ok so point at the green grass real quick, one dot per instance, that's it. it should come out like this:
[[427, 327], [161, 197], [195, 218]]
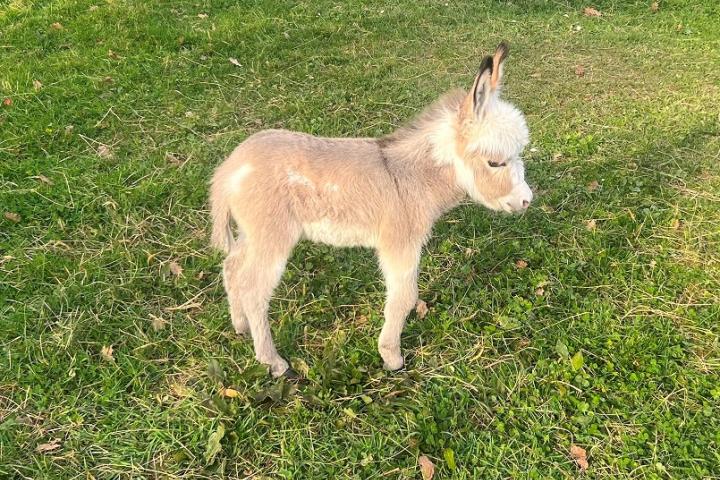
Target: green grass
[[489, 372]]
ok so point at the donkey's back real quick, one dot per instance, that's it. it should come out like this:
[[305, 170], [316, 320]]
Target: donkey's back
[[331, 190]]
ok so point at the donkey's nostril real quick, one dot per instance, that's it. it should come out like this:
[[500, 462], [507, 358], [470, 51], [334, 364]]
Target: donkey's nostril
[[525, 203]]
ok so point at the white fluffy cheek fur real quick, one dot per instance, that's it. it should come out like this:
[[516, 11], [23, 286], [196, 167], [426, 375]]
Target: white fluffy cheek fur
[[465, 178]]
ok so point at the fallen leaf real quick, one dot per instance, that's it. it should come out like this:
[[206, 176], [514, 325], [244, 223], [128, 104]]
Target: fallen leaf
[[427, 468], [53, 444], [37, 84], [157, 322], [591, 12], [56, 26], [300, 366], [540, 292], [557, 156], [580, 71], [562, 349], [45, 180], [7, 102], [468, 252], [521, 264], [107, 353], [113, 55], [591, 225], [93, 8], [654, 7], [580, 456], [176, 269], [69, 129], [229, 393], [449, 456], [172, 158], [592, 186], [213, 445], [675, 224], [235, 62], [577, 361], [181, 391], [202, 15], [104, 151], [13, 217], [421, 309]]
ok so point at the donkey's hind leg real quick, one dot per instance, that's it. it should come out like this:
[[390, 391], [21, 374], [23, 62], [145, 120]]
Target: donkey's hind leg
[[261, 272], [232, 269]]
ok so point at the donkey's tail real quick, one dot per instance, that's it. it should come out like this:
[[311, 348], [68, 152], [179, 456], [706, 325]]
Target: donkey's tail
[[222, 236]]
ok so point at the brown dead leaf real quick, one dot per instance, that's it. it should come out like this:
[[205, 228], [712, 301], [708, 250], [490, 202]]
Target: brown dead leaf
[[179, 390], [540, 292], [592, 186], [37, 85], [421, 309], [229, 393], [172, 158], [654, 7], [591, 12], [235, 62], [427, 467], [7, 102], [176, 269], [53, 444], [56, 26], [580, 456], [591, 225], [579, 70], [45, 180], [521, 264], [13, 217], [113, 55], [104, 151], [675, 223], [157, 322], [107, 353]]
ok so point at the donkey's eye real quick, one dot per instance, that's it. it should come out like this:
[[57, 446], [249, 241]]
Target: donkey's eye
[[496, 164]]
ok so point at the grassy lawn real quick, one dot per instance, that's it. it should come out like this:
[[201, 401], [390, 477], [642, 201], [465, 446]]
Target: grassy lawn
[[593, 320]]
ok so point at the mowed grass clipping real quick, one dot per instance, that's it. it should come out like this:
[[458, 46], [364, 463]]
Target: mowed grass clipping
[[590, 321]]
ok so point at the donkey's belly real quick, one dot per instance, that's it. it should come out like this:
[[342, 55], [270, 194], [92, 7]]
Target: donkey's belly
[[325, 231]]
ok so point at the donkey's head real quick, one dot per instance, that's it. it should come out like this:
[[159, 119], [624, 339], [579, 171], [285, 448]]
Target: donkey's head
[[491, 135]]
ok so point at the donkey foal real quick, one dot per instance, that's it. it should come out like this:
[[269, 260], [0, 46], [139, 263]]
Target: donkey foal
[[280, 186]]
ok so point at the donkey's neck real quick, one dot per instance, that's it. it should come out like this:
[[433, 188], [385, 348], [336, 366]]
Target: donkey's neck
[[421, 156]]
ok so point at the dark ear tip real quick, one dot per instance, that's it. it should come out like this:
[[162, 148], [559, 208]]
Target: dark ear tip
[[502, 50], [486, 64]]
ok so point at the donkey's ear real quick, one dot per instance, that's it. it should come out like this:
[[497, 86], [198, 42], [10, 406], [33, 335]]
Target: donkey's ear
[[501, 53], [481, 90]]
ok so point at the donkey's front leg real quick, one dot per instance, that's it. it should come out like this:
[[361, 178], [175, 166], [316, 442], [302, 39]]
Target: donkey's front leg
[[400, 269]]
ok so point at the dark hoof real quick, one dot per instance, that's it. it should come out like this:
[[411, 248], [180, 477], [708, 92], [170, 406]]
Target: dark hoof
[[393, 370], [291, 374]]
